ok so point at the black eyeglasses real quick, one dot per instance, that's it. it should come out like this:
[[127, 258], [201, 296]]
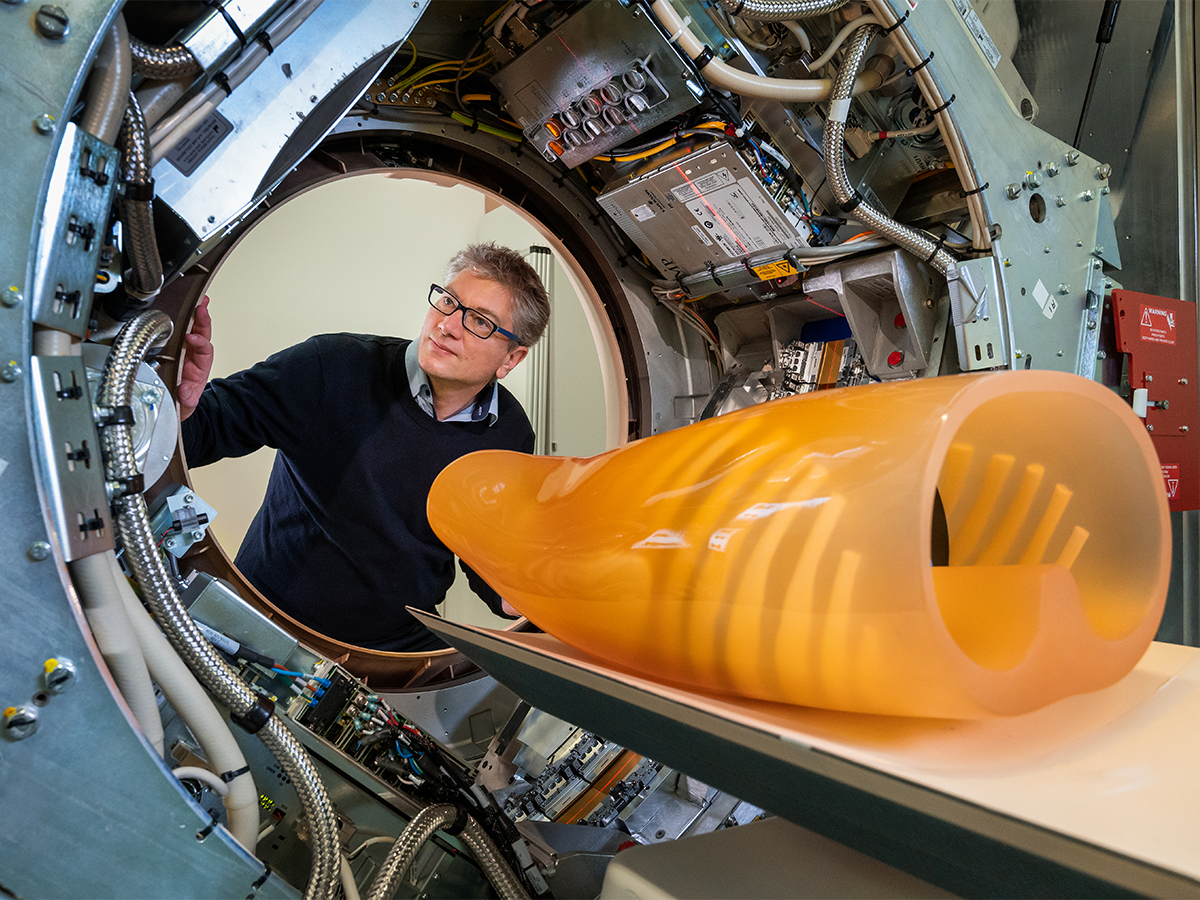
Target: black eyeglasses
[[474, 321]]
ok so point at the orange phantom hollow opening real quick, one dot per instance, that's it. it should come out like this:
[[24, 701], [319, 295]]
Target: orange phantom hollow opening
[[783, 552]]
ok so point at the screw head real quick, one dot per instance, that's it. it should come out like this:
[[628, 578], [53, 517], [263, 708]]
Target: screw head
[[52, 23], [198, 535], [20, 722], [1072, 157], [1149, 427], [1060, 201], [1013, 190], [59, 674], [1091, 325], [1089, 196], [44, 124], [1052, 169], [1105, 191], [1183, 428], [1103, 171], [1034, 179], [38, 551], [11, 371], [1101, 355], [11, 297], [1046, 250], [1064, 288]]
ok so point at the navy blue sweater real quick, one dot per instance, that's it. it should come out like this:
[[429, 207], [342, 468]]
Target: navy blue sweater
[[342, 542]]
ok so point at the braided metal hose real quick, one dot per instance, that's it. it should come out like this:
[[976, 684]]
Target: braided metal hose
[[779, 10], [133, 528], [915, 242], [162, 63], [420, 829], [145, 275], [508, 886]]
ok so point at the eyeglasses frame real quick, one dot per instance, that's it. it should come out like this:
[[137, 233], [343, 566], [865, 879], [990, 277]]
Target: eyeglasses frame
[[464, 309]]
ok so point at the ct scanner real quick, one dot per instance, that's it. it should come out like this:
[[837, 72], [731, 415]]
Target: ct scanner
[[756, 198]]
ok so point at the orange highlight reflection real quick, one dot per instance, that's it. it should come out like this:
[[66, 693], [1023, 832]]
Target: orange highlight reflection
[[783, 552]]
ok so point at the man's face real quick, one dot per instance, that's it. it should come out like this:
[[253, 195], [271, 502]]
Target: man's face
[[456, 359]]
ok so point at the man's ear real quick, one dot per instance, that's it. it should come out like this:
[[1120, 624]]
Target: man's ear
[[515, 355]]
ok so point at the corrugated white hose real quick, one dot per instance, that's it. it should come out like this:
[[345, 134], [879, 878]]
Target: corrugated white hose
[[915, 242], [717, 72], [780, 10], [109, 84], [110, 625], [193, 705], [133, 527]]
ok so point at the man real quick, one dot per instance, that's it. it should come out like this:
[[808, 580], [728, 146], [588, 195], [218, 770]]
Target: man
[[362, 425]]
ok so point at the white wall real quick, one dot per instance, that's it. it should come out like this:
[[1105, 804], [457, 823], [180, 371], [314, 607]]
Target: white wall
[[358, 255]]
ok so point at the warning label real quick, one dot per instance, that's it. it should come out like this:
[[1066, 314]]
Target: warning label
[[1171, 477], [1157, 325]]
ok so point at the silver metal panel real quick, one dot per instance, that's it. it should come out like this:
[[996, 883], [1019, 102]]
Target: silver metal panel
[[982, 338], [272, 104], [73, 224], [1133, 122], [464, 716], [214, 42], [705, 209], [1045, 248], [70, 447], [570, 63], [88, 811]]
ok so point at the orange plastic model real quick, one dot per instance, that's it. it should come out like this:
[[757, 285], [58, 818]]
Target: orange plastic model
[[783, 552]]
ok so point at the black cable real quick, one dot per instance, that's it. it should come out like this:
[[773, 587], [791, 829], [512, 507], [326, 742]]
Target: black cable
[[1108, 19]]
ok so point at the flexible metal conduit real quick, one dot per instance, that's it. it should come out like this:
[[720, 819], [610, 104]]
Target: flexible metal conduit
[[144, 278], [109, 84], [422, 827], [780, 10], [162, 63], [133, 528], [915, 242]]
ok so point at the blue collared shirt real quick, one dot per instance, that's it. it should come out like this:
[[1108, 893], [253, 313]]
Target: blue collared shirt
[[485, 406]]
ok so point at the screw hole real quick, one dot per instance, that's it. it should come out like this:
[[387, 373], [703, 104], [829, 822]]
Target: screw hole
[[41, 698]]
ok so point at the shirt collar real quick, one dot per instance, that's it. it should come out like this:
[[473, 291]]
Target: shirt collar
[[484, 408]]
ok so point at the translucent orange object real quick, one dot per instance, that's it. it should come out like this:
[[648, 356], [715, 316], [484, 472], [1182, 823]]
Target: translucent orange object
[[783, 552]]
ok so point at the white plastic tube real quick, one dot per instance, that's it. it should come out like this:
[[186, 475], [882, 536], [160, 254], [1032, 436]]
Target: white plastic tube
[[195, 773], [717, 72], [110, 626], [349, 887], [839, 39], [197, 710]]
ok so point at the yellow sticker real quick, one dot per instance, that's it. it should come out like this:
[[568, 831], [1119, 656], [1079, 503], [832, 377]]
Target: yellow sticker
[[781, 269]]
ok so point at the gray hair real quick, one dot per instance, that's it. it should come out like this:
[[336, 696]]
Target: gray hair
[[510, 270]]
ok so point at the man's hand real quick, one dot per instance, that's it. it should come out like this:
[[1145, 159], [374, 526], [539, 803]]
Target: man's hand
[[197, 360]]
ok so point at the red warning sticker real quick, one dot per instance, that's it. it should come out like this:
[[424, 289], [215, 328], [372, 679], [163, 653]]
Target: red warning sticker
[[1171, 477], [1157, 325]]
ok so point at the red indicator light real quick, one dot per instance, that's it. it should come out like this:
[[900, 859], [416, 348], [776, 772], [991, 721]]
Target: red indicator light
[[895, 358], [899, 321]]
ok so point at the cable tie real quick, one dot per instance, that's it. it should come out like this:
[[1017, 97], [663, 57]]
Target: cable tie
[[220, 7], [234, 773], [943, 107], [852, 204], [704, 58], [687, 20], [253, 719], [983, 187], [140, 190], [207, 829], [712, 271], [265, 39], [746, 266], [461, 819], [737, 9], [474, 121], [262, 879], [221, 80], [937, 248], [922, 64], [901, 21], [117, 415]]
